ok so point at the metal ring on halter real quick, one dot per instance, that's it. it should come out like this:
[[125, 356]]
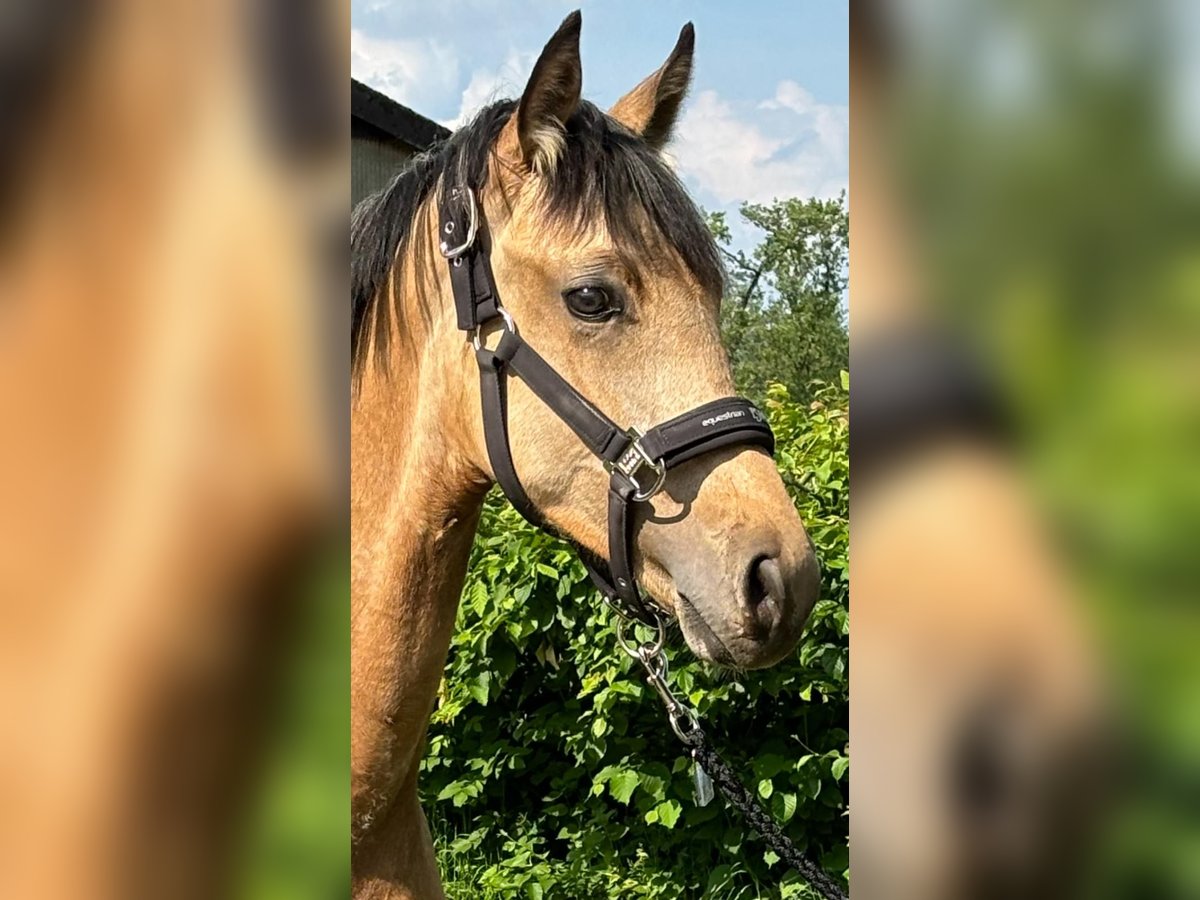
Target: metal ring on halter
[[634, 650], [660, 470], [472, 227], [509, 323]]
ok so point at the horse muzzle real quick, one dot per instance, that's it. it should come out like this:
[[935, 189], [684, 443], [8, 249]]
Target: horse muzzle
[[752, 617]]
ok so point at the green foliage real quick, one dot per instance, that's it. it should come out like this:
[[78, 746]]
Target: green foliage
[[783, 318], [292, 843], [550, 771]]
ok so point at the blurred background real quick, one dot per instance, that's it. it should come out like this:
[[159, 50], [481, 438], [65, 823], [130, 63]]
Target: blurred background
[[1025, 190], [174, 196]]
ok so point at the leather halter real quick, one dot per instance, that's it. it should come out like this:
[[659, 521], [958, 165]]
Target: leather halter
[[637, 463]]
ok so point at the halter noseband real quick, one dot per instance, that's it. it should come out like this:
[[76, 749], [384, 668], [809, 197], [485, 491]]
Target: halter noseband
[[637, 463]]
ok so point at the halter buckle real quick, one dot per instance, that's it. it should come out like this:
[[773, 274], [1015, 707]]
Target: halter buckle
[[452, 252], [633, 460]]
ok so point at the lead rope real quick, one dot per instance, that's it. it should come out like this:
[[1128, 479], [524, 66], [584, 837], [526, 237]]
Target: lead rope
[[711, 769]]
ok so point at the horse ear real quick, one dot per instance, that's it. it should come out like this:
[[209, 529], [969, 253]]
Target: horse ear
[[537, 131], [652, 107]]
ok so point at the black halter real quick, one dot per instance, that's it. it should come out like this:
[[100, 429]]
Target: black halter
[[637, 463]]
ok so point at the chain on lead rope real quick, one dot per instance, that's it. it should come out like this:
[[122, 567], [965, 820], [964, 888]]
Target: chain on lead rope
[[651, 655]]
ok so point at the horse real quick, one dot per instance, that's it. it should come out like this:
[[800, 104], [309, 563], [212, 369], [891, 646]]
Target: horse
[[605, 262], [167, 458]]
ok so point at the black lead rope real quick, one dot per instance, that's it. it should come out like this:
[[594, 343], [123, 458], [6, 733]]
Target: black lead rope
[[637, 464], [711, 769], [760, 820]]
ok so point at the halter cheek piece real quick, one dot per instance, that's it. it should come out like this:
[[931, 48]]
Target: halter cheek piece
[[637, 462]]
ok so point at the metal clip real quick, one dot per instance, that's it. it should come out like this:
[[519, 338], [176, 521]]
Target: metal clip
[[654, 661]]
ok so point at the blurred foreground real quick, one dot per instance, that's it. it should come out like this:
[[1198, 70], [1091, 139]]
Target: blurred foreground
[[1025, 282], [173, 200]]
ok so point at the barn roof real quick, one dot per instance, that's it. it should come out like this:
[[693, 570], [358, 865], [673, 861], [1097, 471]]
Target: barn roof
[[382, 112]]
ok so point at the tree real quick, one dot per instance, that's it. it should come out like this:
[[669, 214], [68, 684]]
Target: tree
[[784, 315]]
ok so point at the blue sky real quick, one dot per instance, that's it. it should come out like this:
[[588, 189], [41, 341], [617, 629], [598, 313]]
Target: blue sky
[[768, 112]]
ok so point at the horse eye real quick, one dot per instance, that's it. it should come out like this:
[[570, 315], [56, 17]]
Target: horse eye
[[590, 303]]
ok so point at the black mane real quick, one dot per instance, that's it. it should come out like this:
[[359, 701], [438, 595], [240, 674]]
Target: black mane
[[604, 170]]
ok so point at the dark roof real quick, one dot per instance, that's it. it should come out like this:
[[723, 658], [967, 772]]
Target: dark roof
[[395, 119]]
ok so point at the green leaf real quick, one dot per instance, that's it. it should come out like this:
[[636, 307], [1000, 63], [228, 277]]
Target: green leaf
[[605, 775], [783, 806], [768, 765], [478, 687], [766, 787], [623, 784], [668, 813], [839, 767]]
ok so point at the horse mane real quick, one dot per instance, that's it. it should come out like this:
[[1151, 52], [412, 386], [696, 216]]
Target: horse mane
[[604, 171]]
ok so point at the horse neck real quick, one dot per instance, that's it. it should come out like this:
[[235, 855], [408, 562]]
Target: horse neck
[[415, 501]]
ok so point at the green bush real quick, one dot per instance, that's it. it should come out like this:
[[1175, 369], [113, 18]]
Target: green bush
[[550, 771]]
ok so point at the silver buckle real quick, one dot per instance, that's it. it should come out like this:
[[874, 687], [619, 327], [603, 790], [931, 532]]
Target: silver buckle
[[633, 460], [472, 226]]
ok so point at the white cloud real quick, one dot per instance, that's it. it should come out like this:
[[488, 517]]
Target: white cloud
[[486, 85], [420, 73], [830, 124], [426, 75], [787, 146]]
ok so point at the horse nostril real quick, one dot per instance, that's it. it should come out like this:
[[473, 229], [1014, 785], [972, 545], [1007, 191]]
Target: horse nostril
[[765, 595]]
